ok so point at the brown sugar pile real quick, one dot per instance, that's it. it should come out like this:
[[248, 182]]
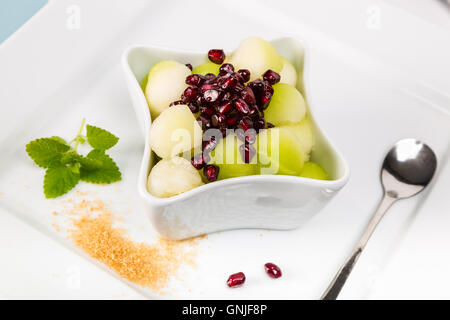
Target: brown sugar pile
[[149, 265]]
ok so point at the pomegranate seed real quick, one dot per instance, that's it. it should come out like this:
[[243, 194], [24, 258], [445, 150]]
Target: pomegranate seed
[[267, 87], [247, 152], [239, 78], [190, 94], [272, 270], [204, 121], [209, 145], [269, 125], [227, 83], [265, 100], [211, 95], [175, 103], [257, 86], [249, 136], [211, 172], [260, 124], [239, 87], [248, 95], [254, 112], [246, 123], [218, 120], [226, 96], [241, 106], [195, 79], [224, 132], [207, 87], [245, 74], [231, 121], [193, 107], [226, 68], [189, 66], [225, 108], [236, 279], [271, 76], [200, 160], [207, 110], [216, 55]]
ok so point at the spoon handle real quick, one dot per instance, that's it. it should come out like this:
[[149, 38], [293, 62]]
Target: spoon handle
[[339, 280]]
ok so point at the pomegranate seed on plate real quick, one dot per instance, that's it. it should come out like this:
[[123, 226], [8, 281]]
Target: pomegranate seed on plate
[[216, 55], [189, 66], [272, 270], [236, 279]]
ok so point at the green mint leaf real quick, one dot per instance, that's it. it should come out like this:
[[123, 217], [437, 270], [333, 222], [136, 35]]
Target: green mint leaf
[[59, 139], [59, 180], [107, 173], [99, 138], [89, 164], [46, 152], [69, 156]]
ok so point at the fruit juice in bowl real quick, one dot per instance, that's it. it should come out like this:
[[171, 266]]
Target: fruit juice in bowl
[[231, 141]]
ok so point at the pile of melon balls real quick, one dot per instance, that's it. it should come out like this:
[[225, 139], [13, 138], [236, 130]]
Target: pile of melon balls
[[234, 115]]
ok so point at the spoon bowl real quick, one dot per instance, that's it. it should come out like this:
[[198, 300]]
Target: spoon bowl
[[408, 167]]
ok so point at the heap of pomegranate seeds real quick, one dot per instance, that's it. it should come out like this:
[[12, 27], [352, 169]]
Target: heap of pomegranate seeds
[[228, 101]]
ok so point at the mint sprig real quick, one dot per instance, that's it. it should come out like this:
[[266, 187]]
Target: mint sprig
[[65, 167]]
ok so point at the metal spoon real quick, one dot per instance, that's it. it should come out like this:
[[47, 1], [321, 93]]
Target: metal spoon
[[407, 169]]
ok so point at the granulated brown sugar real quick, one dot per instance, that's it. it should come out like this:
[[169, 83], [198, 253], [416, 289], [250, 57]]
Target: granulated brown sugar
[[149, 265]]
